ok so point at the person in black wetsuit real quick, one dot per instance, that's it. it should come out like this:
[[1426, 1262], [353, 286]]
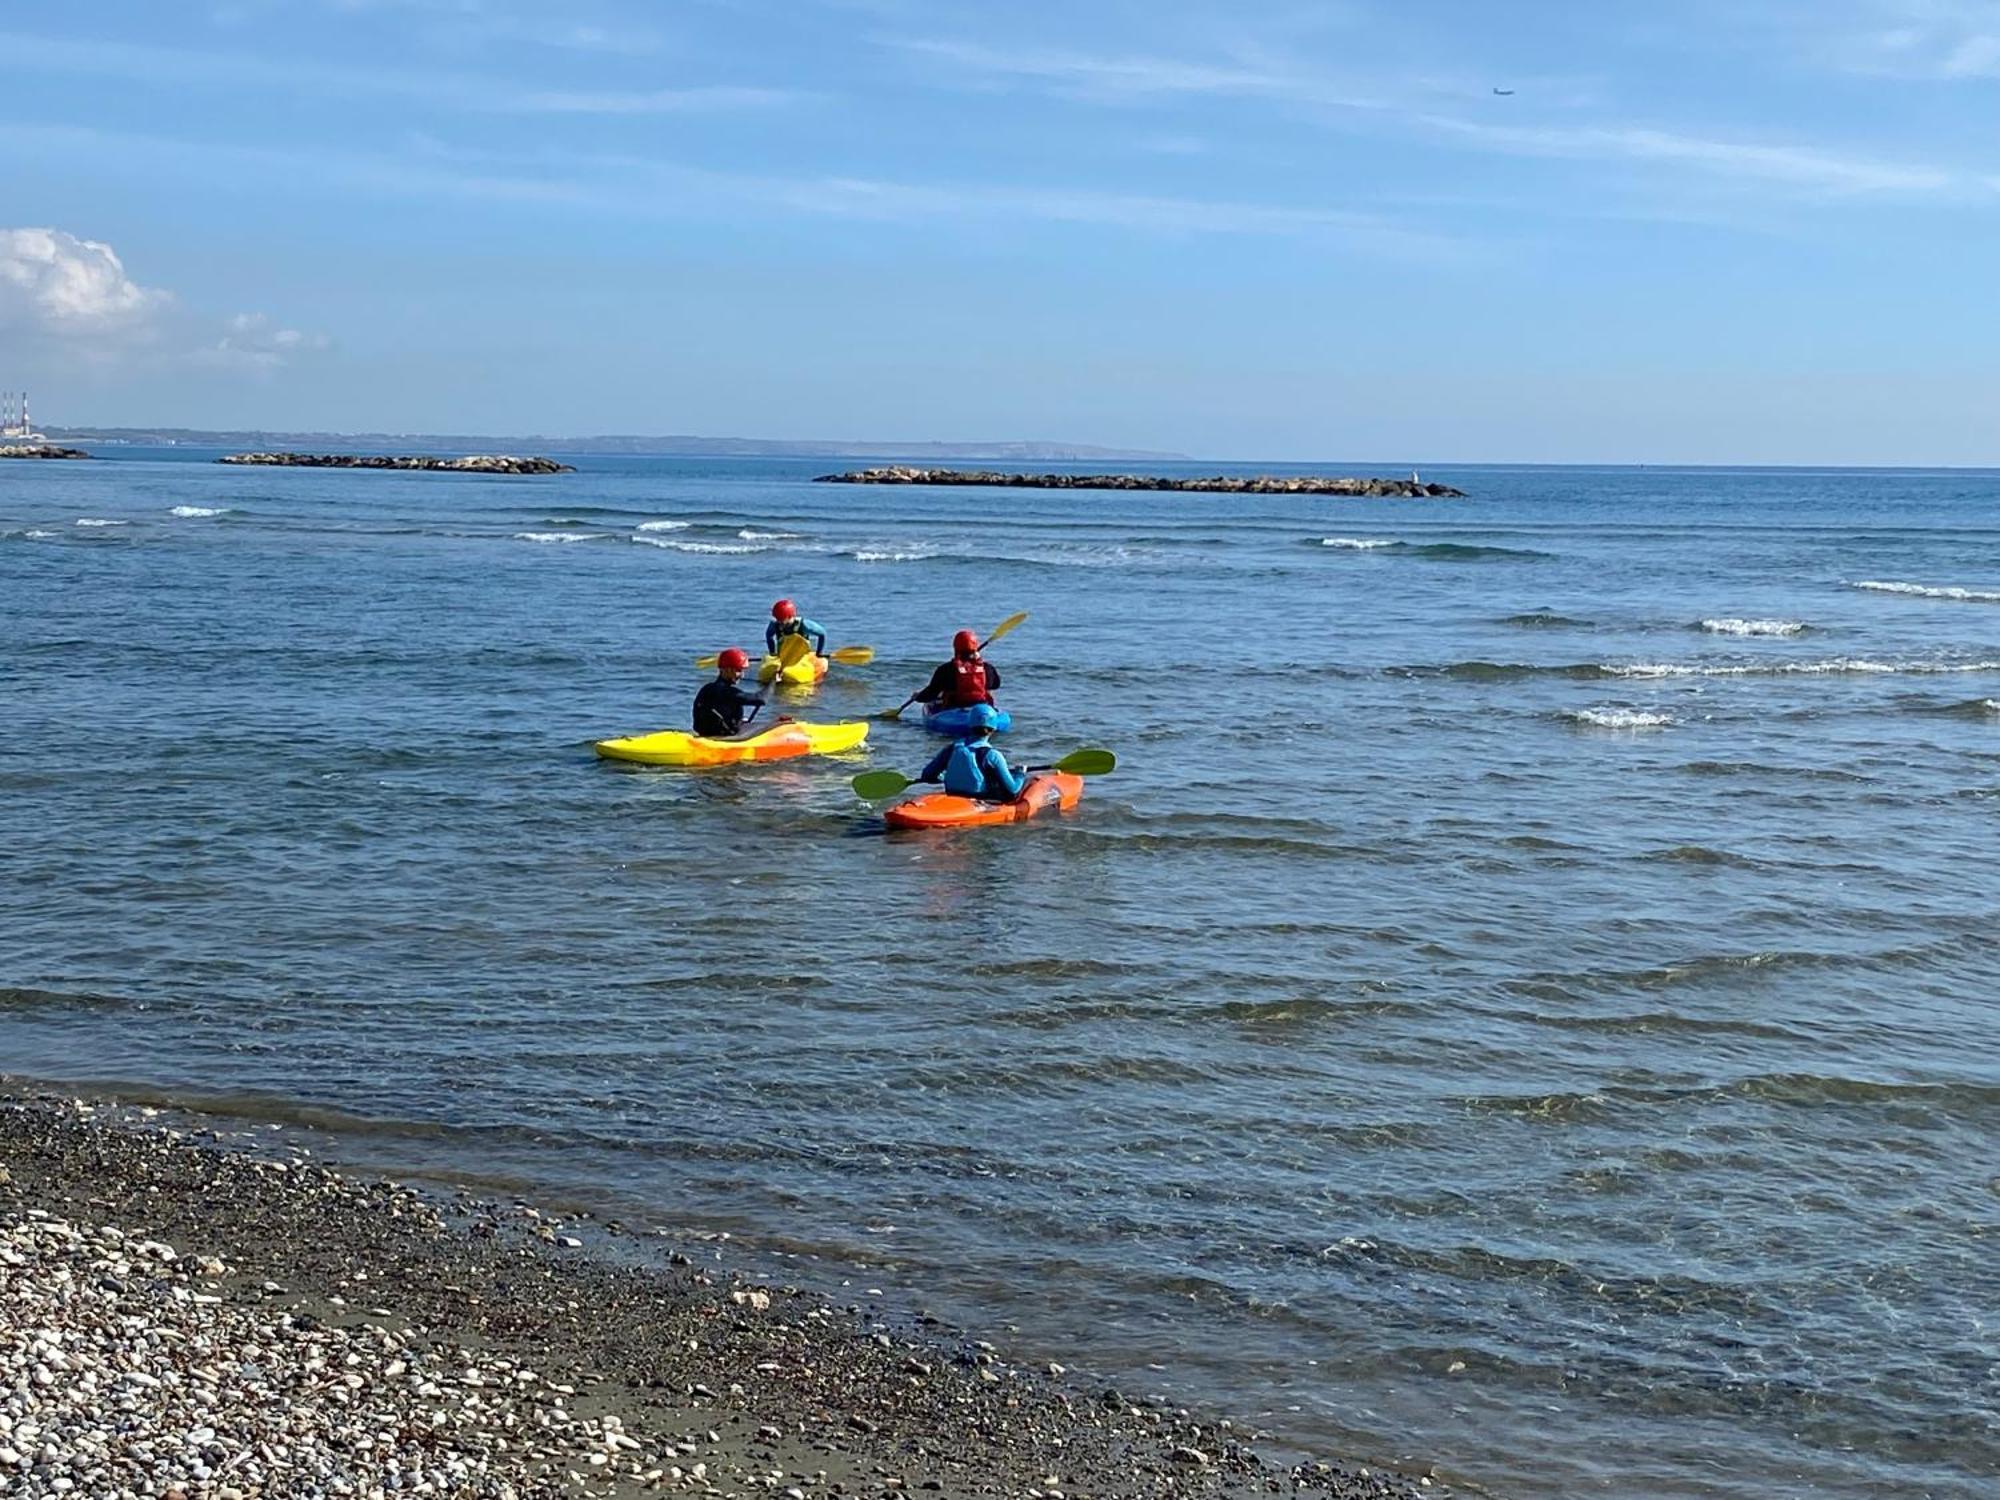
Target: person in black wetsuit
[[721, 707], [966, 679]]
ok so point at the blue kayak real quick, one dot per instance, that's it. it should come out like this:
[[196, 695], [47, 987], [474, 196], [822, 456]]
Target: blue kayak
[[956, 721]]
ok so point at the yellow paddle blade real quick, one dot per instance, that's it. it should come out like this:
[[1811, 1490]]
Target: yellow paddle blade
[[1002, 628], [892, 713], [793, 649], [853, 656], [705, 662]]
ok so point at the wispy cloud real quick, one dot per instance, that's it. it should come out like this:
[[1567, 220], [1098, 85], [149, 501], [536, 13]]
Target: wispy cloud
[[458, 92], [1788, 165], [1937, 39], [1136, 76], [1412, 108], [642, 187]]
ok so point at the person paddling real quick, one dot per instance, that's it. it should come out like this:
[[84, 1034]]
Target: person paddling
[[968, 678], [721, 707], [972, 766], [786, 620]]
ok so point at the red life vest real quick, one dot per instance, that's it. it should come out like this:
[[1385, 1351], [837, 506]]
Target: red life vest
[[968, 682]]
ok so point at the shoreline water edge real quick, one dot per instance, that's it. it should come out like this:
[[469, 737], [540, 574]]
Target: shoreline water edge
[[198, 1309]]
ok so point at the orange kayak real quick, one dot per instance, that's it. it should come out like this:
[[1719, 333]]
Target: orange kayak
[[1046, 791]]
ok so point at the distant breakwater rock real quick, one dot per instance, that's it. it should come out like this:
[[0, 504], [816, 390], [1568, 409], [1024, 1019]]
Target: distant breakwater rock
[[476, 463], [39, 450], [1221, 484]]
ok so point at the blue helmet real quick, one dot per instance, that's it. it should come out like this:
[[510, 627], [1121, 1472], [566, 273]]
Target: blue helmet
[[981, 717]]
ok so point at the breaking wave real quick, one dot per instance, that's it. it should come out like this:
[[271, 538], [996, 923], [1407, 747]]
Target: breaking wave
[[751, 534], [1926, 591], [882, 555], [98, 521], [1355, 543], [663, 526], [719, 549], [1585, 671], [1731, 625], [190, 512], [555, 536], [1619, 718]]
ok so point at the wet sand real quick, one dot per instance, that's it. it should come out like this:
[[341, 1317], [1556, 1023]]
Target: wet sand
[[197, 1310]]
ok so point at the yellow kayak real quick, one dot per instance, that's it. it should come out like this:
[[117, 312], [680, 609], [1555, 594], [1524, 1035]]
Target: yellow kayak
[[805, 671], [676, 747]]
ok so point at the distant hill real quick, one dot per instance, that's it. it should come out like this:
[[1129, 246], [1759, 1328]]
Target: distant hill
[[444, 442]]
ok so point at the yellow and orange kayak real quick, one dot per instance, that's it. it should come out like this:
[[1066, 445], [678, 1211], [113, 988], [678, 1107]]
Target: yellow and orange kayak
[[1046, 791], [676, 747]]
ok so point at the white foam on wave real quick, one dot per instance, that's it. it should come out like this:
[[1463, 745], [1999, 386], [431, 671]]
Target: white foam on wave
[[1830, 667], [553, 536], [1928, 591], [1731, 625], [722, 549], [99, 521], [663, 525], [191, 512], [1354, 543], [751, 534], [883, 554], [1620, 718]]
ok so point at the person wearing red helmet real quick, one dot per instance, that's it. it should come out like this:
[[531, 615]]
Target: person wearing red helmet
[[722, 708], [786, 620], [966, 679]]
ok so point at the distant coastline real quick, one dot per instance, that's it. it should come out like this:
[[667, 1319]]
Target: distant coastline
[[667, 446]]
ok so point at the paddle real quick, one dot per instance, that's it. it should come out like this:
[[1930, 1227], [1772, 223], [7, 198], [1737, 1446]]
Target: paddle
[[873, 786], [993, 635], [793, 649]]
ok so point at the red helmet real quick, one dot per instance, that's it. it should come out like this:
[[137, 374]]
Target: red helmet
[[964, 643], [784, 609], [733, 660]]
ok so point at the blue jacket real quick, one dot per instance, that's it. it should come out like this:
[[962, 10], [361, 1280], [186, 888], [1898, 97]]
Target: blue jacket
[[973, 768], [797, 625]]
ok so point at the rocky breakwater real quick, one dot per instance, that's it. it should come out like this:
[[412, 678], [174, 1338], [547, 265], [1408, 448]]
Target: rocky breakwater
[[39, 450], [475, 463], [1220, 484]]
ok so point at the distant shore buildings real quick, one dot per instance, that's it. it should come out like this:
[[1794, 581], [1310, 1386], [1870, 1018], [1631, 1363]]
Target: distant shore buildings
[[14, 423]]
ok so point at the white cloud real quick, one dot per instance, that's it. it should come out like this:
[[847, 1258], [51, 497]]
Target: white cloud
[[64, 297], [252, 341], [56, 285]]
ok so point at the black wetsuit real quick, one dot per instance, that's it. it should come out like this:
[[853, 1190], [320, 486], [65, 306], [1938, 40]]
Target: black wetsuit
[[939, 688], [719, 709]]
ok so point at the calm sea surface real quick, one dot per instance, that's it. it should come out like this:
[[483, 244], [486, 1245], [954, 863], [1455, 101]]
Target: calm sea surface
[[1526, 1000]]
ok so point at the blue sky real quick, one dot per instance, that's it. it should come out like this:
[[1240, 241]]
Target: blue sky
[[1698, 230]]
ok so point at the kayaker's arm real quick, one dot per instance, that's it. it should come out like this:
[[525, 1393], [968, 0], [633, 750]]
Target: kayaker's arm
[[936, 688], [999, 774], [818, 633], [992, 677], [935, 770]]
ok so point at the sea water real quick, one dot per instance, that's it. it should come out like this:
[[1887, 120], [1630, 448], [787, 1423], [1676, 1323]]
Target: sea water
[[1525, 1001]]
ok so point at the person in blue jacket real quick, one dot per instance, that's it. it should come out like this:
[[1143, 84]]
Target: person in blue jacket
[[972, 767], [786, 620]]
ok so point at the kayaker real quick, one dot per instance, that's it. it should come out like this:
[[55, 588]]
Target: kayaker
[[966, 679], [786, 620], [972, 767], [721, 707]]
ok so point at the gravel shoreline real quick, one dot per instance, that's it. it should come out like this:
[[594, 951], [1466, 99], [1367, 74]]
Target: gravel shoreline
[[208, 1314]]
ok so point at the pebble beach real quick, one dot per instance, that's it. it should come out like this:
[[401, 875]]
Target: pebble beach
[[193, 1312]]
